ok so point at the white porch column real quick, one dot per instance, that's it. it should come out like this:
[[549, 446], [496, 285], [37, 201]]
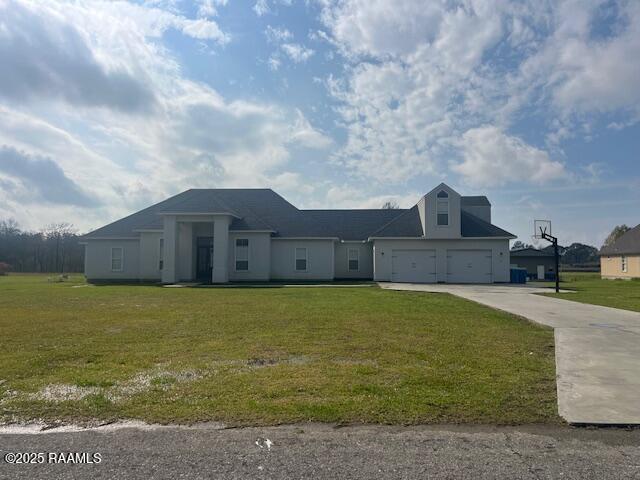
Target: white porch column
[[221, 249], [170, 235]]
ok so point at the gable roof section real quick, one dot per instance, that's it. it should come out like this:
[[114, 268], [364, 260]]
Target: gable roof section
[[474, 227], [530, 252], [629, 243], [257, 209], [407, 224], [201, 201], [264, 209]]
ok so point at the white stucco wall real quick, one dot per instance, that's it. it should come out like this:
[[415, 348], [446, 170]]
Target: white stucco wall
[[499, 251], [259, 257], [150, 255], [320, 259], [98, 260], [341, 267]]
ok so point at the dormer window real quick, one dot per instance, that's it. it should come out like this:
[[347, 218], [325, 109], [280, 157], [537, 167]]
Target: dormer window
[[442, 209]]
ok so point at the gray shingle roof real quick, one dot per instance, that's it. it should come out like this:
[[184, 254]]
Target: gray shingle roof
[[530, 252], [264, 209], [409, 225], [475, 227], [628, 243], [475, 201], [258, 209], [406, 225], [352, 224]]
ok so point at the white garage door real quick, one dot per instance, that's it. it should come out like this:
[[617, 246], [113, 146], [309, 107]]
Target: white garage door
[[415, 266], [469, 266]]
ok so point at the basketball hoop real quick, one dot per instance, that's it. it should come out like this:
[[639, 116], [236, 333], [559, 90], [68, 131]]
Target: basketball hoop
[[542, 231]]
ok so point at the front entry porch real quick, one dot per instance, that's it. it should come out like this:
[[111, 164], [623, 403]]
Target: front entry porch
[[204, 259], [196, 248]]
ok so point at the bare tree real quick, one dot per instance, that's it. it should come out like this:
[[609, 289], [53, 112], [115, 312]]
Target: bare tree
[[518, 245], [390, 205], [59, 233], [26, 251], [9, 227], [615, 234]]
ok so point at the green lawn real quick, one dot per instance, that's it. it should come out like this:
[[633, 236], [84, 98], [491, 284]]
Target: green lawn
[[590, 288], [258, 356]]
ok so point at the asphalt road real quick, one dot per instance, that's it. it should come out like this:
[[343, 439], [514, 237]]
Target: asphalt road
[[326, 452]]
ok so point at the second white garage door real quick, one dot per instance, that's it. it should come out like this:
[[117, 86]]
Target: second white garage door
[[469, 266], [415, 266]]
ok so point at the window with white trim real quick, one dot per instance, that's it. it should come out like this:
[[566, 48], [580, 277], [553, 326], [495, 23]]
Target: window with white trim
[[117, 259], [301, 259], [353, 256], [242, 254], [161, 254], [625, 266]]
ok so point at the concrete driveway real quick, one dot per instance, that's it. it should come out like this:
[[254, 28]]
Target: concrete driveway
[[597, 348]]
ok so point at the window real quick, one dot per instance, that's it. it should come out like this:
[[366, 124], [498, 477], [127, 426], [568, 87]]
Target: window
[[623, 259], [442, 207], [117, 255], [242, 254], [354, 259], [301, 259], [443, 213], [161, 254]]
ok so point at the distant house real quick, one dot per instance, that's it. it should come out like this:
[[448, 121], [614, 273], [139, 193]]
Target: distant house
[[222, 235], [540, 264], [621, 259]]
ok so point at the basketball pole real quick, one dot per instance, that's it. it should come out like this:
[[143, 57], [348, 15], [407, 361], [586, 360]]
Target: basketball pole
[[554, 241]]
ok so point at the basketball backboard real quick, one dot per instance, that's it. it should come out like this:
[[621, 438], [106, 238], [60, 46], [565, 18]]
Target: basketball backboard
[[541, 228]]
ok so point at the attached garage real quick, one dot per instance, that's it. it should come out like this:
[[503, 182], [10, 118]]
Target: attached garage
[[414, 266], [469, 266]]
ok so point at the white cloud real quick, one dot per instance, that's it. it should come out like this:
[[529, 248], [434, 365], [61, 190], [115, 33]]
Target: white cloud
[[209, 8], [493, 158], [203, 29], [261, 7], [277, 34], [403, 112], [419, 75], [296, 52], [589, 74], [193, 137], [381, 28], [349, 196], [274, 62]]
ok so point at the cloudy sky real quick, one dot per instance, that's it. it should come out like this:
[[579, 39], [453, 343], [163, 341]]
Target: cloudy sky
[[107, 107]]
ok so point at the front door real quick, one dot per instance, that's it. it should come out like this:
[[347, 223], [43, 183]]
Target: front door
[[204, 258]]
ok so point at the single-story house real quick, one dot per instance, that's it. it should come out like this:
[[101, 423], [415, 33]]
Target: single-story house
[[621, 259], [223, 235], [539, 264]]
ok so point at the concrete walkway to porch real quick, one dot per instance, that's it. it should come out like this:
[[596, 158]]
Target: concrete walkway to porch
[[597, 348]]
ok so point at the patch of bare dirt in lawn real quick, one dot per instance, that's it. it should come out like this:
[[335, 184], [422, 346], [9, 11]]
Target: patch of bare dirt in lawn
[[121, 391]]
